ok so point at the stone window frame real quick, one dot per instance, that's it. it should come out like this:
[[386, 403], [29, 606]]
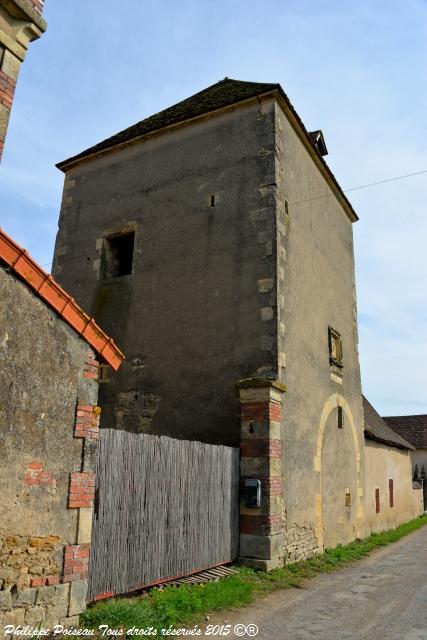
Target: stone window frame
[[335, 348]]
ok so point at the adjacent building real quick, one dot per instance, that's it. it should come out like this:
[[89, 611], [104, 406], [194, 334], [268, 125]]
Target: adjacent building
[[50, 352], [21, 22], [414, 430], [391, 496]]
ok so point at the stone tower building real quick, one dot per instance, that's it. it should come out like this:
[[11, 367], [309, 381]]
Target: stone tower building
[[214, 244], [21, 22]]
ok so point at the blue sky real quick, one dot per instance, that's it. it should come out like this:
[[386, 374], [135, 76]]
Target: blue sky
[[355, 70]]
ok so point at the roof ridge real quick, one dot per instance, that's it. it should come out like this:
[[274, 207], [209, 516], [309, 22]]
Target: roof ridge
[[46, 287]]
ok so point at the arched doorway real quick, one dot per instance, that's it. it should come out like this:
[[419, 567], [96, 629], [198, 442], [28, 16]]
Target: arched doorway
[[340, 507]]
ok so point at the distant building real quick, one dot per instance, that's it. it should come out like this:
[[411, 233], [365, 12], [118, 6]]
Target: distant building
[[414, 430], [21, 22], [391, 496]]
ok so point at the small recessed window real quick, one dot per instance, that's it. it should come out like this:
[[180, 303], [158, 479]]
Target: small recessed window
[[347, 498], [340, 417], [212, 201], [391, 492], [1, 56], [335, 348], [377, 501], [104, 373], [118, 255]]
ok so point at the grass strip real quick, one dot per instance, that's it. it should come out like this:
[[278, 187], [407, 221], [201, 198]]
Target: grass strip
[[179, 606]]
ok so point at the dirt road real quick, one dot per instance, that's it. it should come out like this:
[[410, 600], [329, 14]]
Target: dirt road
[[383, 597]]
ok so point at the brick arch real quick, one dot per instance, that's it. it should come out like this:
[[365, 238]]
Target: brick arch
[[330, 405]]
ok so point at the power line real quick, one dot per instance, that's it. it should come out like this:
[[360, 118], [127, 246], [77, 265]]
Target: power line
[[326, 195], [364, 186]]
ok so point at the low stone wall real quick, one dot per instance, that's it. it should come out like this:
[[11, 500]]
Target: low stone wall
[[300, 543]]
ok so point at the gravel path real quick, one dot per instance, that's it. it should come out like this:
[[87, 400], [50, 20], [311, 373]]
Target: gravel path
[[382, 597]]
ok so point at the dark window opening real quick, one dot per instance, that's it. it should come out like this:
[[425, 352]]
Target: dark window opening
[[340, 417], [335, 348], [212, 201], [1, 56], [377, 500], [104, 373], [391, 492], [118, 255]]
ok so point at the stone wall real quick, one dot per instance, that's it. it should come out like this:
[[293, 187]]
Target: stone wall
[[48, 435]]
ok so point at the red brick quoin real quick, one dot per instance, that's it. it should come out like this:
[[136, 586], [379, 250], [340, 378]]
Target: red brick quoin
[[262, 525], [36, 477], [76, 562], [82, 490], [91, 366], [87, 421], [260, 447], [37, 4], [44, 580], [260, 411], [7, 89]]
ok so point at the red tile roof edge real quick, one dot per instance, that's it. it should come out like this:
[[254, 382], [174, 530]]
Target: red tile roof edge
[[49, 290]]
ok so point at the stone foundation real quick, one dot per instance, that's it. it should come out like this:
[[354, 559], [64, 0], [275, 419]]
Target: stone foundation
[[300, 543]]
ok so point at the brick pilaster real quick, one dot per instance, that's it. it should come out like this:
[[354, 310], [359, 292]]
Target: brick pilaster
[[91, 366], [87, 421], [82, 490], [261, 529]]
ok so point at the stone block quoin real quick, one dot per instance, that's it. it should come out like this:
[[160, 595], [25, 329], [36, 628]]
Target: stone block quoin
[[76, 562], [82, 490]]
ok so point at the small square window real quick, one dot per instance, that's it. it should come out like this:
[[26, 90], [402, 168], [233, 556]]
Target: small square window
[[335, 348], [118, 255]]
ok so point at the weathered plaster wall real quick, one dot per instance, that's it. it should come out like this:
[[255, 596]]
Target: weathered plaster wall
[[198, 311], [382, 464], [41, 382], [316, 288]]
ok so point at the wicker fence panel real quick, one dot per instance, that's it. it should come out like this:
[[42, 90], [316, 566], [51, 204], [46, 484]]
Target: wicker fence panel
[[164, 508]]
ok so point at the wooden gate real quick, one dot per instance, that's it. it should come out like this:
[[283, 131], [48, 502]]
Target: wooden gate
[[164, 508]]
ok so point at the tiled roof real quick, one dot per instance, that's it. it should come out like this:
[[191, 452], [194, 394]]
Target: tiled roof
[[412, 428], [376, 428], [49, 290], [221, 94]]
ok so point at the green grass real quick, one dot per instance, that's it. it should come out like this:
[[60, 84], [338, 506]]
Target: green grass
[[180, 606]]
